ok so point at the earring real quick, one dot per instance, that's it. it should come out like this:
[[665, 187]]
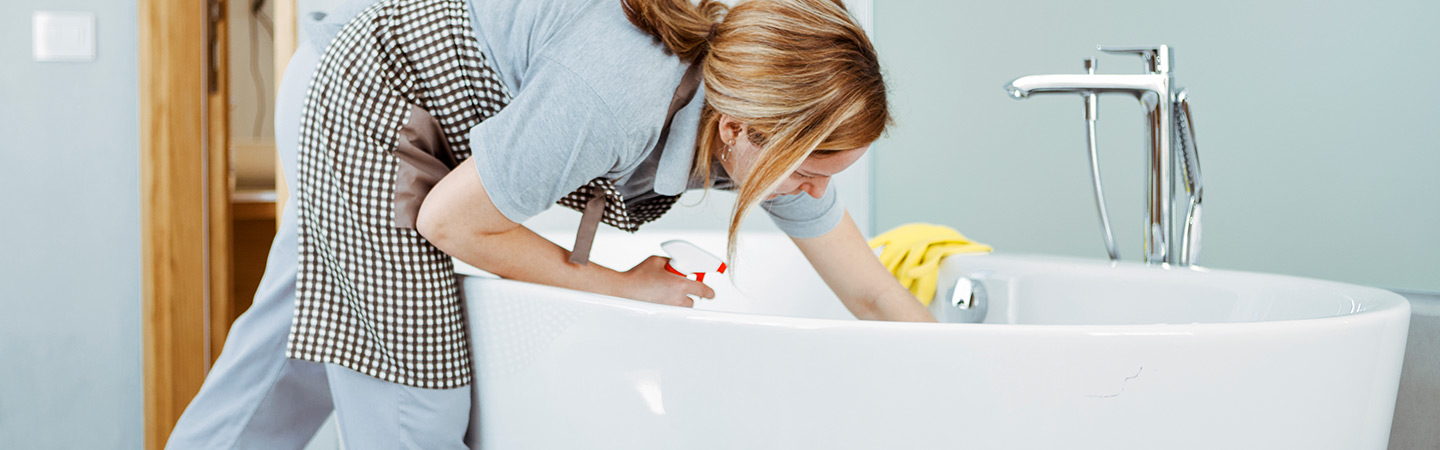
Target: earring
[[725, 156]]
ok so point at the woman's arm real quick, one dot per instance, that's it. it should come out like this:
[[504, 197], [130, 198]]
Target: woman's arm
[[459, 218], [848, 265]]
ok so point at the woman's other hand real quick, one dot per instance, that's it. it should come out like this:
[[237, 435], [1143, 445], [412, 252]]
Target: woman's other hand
[[650, 282]]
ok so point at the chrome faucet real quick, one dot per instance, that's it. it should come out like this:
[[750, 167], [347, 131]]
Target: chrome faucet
[[1167, 120]]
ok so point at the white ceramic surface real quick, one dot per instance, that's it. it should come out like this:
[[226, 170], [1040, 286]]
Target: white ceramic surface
[[1074, 354]]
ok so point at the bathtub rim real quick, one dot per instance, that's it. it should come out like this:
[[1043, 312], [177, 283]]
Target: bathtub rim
[[1389, 306]]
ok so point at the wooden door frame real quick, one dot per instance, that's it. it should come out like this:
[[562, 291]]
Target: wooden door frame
[[185, 197], [185, 205]]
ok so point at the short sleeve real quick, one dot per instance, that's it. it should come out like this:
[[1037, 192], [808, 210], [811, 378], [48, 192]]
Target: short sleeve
[[555, 136], [803, 216]]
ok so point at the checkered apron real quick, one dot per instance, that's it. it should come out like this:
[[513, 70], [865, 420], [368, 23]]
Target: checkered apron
[[373, 295]]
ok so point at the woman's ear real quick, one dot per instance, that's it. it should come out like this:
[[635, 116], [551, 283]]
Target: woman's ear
[[730, 129]]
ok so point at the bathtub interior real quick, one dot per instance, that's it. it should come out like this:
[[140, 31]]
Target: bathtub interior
[[1049, 290], [772, 277]]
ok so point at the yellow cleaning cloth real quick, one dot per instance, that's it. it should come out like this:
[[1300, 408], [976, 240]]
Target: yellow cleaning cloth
[[913, 253]]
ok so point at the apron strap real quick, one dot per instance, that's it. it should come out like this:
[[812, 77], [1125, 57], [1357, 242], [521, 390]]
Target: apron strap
[[589, 222], [595, 207]]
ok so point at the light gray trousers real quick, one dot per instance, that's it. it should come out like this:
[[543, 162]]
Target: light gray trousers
[[256, 398]]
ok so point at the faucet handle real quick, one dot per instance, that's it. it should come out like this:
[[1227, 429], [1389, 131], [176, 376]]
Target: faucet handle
[[1157, 57]]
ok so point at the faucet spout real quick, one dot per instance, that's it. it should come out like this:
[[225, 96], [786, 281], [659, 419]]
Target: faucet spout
[[1137, 85]]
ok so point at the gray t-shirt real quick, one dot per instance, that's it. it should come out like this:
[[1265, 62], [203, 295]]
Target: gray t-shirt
[[589, 96]]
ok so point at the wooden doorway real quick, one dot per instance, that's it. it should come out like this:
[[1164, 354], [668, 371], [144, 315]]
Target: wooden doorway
[[189, 211]]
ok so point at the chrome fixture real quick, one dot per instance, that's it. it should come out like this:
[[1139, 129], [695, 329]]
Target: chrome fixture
[[965, 301], [1171, 138], [962, 294], [1190, 159], [1091, 103]]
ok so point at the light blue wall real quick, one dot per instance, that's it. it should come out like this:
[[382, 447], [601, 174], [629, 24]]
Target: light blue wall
[[1316, 124], [70, 358]]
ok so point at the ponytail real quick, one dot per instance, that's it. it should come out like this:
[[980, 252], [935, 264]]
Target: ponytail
[[682, 26]]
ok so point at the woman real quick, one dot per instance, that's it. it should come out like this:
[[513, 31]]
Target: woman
[[433, 128]]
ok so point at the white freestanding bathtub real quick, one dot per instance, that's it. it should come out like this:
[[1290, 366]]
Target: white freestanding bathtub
[[1072, 354]]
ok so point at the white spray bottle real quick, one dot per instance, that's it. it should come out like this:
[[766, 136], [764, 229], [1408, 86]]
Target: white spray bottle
[[690, 261]]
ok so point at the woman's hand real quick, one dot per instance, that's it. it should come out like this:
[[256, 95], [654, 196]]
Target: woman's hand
[[650, 282]]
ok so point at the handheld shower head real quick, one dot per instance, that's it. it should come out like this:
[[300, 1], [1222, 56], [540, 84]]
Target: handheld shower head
[[1194, 184]]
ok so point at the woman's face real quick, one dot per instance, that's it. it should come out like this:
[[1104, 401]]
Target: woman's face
[[812, 177]]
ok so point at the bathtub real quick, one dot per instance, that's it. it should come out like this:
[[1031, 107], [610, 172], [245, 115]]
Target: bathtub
[[1072, 353]]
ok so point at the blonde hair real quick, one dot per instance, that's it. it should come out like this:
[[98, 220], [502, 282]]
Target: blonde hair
[[799, 74]]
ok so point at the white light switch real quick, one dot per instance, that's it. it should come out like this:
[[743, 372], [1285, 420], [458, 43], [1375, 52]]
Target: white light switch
[[63, 36]]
